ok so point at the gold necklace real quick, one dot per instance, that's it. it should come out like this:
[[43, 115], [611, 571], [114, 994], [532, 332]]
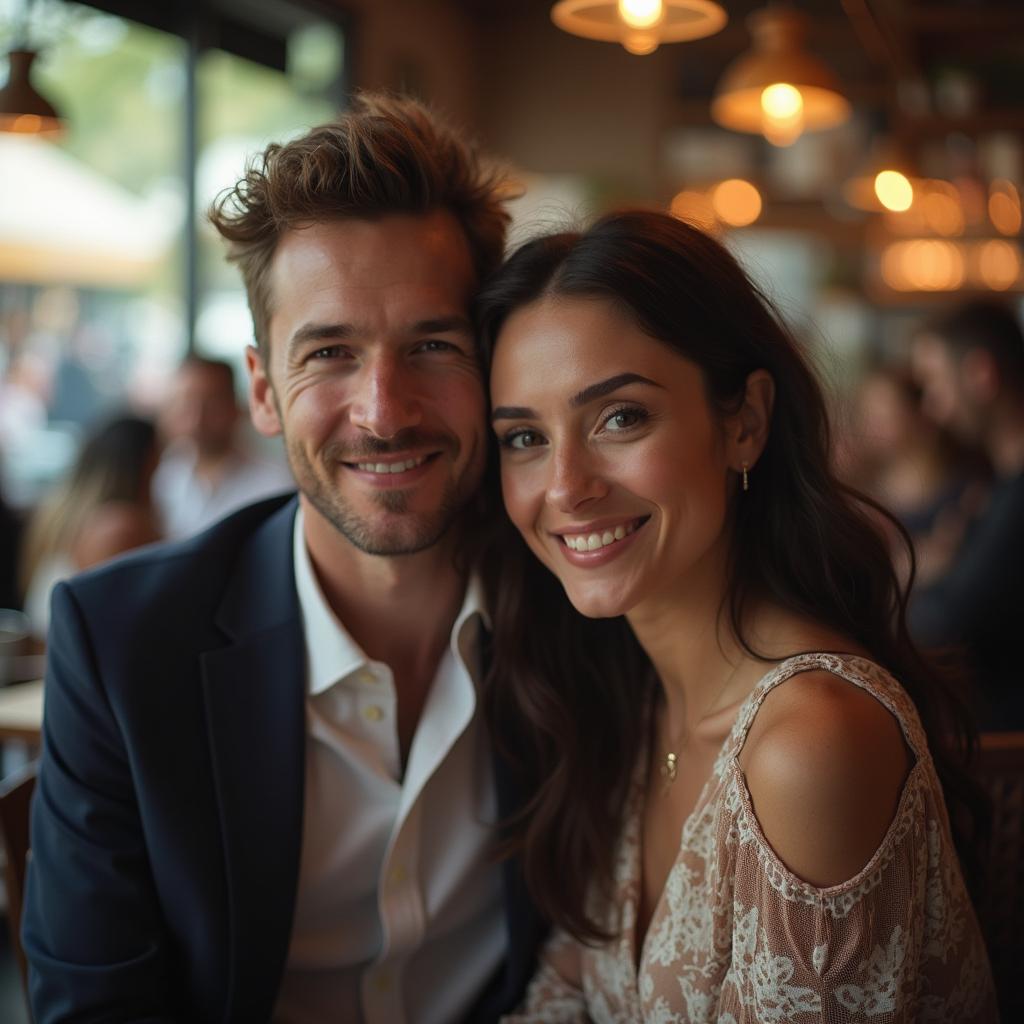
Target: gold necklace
[[669, 767]]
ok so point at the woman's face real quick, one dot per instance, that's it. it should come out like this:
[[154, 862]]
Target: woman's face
[[614, 467]]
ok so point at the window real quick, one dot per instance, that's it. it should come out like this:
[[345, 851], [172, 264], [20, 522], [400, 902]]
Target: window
[[108, 272]]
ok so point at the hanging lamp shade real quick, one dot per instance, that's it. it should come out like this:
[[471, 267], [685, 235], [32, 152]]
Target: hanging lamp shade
[[641, 26], [777, 88], [22, 108]]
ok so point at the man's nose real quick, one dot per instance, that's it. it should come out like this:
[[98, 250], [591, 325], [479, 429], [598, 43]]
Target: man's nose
[[385, 402], [575, 480]]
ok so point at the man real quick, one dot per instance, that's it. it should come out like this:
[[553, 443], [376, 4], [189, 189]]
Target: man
[[266, 789], [205, 471], [970, 365]]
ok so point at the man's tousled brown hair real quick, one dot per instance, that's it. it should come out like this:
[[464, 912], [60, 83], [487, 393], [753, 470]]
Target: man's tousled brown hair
[[386, 154]]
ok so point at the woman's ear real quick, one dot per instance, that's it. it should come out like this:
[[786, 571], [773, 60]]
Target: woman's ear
[[747, 430]]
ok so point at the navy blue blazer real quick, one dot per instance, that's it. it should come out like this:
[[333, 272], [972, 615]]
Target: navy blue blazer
[[167, 822]]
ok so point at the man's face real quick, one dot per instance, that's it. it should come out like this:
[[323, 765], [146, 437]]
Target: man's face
[[372, 376], [944, 398], [201, 409]]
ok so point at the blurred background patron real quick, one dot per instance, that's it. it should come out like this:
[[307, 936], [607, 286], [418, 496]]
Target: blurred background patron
[[207, 470], [970, 364], [102, 508]]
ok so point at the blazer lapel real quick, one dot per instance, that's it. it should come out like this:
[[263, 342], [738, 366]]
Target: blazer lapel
[[255, 705]]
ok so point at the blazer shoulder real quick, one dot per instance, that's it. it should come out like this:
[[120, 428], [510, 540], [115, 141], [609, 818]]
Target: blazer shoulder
[[166, 588]]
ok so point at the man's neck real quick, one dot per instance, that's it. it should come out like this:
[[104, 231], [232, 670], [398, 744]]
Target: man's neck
[[400, 610]]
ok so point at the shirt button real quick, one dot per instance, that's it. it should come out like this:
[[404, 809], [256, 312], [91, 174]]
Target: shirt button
[[398, 874], [366, 675], [383, 982], [373, 713]]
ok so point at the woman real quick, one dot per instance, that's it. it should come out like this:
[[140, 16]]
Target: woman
[[102, 508], [784, 850]]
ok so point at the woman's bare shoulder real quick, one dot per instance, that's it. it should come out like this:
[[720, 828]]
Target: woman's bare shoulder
[[825, 763]]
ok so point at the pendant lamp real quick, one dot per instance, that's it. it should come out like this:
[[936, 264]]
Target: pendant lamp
[[22, 108], [641, 26], [777, 88]]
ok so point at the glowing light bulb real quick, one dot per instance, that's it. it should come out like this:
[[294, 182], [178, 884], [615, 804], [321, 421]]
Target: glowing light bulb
[[782, 101], [736, 202], [999, 264], [894, 191], [695, 208], [782, 113], [640, 43], [27, 123], [940, 206], [641, 13], [1004, 207]]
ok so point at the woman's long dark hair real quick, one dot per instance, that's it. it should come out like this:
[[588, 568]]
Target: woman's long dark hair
[[572, 694]]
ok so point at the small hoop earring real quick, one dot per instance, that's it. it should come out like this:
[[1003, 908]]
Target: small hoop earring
[[746, 479]]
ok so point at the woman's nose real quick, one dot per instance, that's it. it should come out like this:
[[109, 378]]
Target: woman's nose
[[575, 479]]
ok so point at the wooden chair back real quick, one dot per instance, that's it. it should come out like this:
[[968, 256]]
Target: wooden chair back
[[15, 797], [1000, 769]]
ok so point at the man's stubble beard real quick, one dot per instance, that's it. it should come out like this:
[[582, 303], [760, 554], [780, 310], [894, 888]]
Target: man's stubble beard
[[415, 532]]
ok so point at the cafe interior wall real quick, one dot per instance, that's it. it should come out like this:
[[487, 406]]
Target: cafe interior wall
[[586, 126]]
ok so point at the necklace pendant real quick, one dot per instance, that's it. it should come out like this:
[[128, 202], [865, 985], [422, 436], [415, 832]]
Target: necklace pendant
[[668, 768]]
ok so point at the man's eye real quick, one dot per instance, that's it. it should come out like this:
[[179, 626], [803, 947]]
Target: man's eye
[[521, 439], [329, 352], [437, 346]]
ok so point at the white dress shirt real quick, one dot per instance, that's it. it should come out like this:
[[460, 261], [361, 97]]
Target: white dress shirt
[[399, 918], [187, 503]]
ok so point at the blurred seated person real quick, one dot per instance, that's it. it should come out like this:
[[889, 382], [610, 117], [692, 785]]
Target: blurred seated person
[[970, 365], [10, 537], [102, 508], [206, 471], [913, 467]]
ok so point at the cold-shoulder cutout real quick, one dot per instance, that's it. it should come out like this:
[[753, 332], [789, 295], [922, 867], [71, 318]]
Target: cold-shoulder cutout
[[738, 936], [825, 764]]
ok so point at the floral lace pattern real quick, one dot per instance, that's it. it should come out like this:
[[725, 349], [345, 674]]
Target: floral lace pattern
[[737, 938]]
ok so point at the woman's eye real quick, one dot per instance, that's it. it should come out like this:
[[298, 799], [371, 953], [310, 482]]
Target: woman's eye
[[623, 419], [521, 439]]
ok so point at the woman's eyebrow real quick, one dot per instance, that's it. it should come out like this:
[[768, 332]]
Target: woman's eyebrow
[[588, 394], [512, 412], [606, 387]]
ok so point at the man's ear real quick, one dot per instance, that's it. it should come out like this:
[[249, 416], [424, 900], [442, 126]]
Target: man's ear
[[979, 375], [262, 402], [747, 428]]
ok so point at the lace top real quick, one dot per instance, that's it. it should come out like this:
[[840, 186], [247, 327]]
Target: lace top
[[737, 937]]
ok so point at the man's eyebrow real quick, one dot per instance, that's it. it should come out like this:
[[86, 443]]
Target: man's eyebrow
[[340, 331], [442, 325], [321, 332], [588, 394], [606, 387]]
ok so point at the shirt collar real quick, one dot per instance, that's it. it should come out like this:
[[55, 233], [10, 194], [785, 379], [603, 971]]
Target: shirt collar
[[331, 653]]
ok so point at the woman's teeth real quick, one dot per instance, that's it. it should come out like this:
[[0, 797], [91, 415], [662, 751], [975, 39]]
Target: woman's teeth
[[594, 541], [391, 467]]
